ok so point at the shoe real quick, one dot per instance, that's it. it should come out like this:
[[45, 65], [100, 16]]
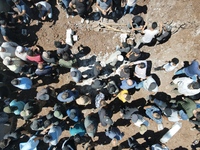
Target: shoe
[[87, 21], [67, 15], [82, 20]]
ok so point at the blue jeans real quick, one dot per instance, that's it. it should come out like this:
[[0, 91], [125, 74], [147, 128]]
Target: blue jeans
[[182, 71], [131, 8], [66, 3]]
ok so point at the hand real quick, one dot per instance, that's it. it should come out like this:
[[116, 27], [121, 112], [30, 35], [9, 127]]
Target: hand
[[14, 16], [43, 18], [104, 12]]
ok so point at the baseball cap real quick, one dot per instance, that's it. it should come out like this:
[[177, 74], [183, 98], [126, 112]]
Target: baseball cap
[[134, 118], [58, 114], [83, 100], [7, 61], [72, 114], [120, 58], [73, 73], [44, 97], [143, 129], [108, 120], [7, 110], [25, 113], [19, 49]]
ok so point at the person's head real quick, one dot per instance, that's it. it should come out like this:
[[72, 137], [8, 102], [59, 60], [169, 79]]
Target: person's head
[[77, 138], [129, 82], [2, 49], [40, 66], [57, 44], [30, 52], [142, 65], [19, 49], [73, 73], [114, 142], [154, 25], [8, 61], [127, 97], [152, 86], [3, 22], [156, 115], [175, 61], [15, 82], [120, 58], [16, 1], [47, 138], [39, 6], [65, 95], [194, 85], [65, 56], [9, 109]]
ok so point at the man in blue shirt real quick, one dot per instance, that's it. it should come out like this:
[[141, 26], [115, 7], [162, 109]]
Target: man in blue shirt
[[191, 71], [22, 83]]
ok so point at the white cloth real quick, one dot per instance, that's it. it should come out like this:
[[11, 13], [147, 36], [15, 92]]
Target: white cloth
[[140, 72], [174, 117], [112, 60], [10, 49], [149, 35], [169, 67], [31, 144], [22, 55], [147, 82], [55, 132], [158, 147], [183, 86], [46, 6], [131, 2]]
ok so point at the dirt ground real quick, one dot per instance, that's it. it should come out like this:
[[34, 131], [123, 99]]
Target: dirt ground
[[184, 44]]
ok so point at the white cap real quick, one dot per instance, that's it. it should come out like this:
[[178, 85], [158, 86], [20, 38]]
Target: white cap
[[19, 49], [120, 58], [6, 61]]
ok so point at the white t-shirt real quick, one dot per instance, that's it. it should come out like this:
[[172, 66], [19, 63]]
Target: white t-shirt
[[169, 67], [149, 35], [131, 2], [45, 6]]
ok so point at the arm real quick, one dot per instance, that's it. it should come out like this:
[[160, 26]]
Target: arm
[[6, 38], [144, 28], [128, 54], [97, 5], [110, 8], [89, 5], [160, 29]]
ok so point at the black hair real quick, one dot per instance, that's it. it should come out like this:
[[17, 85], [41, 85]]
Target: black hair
[[195, 85], [39, 6], [77, 138], [154, 25], [15, 82], [128, 97], [57, 44], [175, 60], [142, 65], [30, 52], [65, 56]]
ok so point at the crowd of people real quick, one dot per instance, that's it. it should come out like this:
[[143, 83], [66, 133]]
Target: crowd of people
[[127, 71]]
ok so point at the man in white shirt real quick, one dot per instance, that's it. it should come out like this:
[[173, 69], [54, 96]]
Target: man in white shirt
[[44, 10], [187, 86], [140, 69], [149, 34], [7, 49]]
